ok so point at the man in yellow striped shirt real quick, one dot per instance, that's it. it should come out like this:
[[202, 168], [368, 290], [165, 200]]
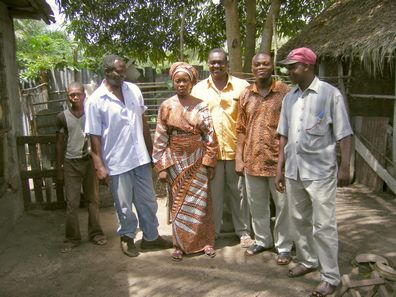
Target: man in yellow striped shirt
[[221, 92]]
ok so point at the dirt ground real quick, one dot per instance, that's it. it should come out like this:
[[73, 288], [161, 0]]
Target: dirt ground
[[31, 264]]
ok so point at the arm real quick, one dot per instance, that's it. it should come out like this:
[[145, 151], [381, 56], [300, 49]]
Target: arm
[[211, 145], [162, 158], [59, 151], [96, 153], [147, 135], [343, 171], [342, 132], [239, 164], [280, 177], [241, 136]]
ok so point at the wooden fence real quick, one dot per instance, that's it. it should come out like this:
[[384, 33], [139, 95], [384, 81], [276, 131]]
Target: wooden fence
[[38, 174]]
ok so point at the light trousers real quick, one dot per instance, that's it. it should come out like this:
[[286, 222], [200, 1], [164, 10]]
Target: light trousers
[[312, 207], [227, 186], [135, 187], [259, 190]]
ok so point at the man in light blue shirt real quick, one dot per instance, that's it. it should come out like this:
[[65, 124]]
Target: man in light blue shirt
[[313, 118], [121, 149]]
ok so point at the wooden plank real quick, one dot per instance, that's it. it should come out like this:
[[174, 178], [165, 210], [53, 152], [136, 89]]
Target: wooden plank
[[27, 199], [59, 192], [373, 134], [37, 181], [374, 96], [38, 173], [374, 164], [36, 139], [394, 130]]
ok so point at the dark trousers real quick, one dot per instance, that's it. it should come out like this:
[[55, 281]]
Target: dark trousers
[[77, 173]]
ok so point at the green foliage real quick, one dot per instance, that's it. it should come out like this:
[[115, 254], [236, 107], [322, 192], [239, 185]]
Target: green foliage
[[39, 49], [150, 30]]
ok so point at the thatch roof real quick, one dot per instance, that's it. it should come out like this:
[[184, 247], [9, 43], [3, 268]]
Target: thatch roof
[[352, 28], [30, 9]]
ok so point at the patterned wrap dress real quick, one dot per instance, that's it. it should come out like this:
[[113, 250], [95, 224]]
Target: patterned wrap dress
[[185, 144]]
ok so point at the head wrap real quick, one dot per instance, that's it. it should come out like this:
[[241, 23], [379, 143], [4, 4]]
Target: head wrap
[[186, 68]]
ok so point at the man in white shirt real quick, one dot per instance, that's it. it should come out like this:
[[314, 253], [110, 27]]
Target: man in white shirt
[[313, 118], [121, 150]]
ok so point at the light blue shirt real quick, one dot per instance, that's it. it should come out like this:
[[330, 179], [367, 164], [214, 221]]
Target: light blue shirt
[[120, 127], [313, 120]]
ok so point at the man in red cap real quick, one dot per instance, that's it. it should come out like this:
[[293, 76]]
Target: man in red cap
[[313, 118]]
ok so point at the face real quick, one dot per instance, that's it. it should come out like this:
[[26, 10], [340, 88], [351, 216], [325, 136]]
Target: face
[[218, 65], [262, 66], [76, 95], [182, 83], [297, 72], [116, 75]]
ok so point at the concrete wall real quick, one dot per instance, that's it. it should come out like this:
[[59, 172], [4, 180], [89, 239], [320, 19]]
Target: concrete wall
[[11, 203]]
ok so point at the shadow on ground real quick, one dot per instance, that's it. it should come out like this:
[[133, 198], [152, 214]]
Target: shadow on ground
[[31, 264]]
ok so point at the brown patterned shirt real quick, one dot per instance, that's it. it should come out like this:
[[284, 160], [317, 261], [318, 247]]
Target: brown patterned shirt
[[258, 119]]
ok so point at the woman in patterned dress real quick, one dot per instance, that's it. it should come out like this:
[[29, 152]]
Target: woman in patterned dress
[[185, 148]]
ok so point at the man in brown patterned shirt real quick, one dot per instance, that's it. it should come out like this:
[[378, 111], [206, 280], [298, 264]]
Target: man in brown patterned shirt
[[257, 155]]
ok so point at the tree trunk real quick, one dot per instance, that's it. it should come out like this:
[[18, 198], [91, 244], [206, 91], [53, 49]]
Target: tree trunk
[[272, 16], [250, 44], [233, 34]]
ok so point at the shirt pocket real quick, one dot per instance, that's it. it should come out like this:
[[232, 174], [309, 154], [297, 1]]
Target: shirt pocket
[[316, 125]]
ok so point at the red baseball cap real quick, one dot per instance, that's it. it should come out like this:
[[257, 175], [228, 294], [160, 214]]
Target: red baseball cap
[[302, 55]]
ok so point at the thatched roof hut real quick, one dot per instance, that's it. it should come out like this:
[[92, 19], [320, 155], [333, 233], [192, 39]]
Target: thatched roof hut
[[30, 9], [364, 29]]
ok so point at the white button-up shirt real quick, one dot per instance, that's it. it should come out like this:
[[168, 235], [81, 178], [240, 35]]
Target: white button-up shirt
[[120, 127], [313, 120]]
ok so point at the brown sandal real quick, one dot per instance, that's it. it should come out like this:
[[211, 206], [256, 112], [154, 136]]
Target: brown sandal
[[209, 251], [300, 270], [284, 258], [323, 289], [177, 255]]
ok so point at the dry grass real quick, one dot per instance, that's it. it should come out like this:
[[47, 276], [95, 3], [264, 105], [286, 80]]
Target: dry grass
[[365, 29]]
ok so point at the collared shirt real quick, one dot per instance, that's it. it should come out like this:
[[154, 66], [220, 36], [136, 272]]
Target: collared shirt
[[223, 106], [313, 120], [258, 119], [120, 127]]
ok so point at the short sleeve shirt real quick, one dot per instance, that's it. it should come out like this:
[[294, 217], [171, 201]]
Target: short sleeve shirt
[[120, 127], [223, 107], [258, 118], [313, 120]]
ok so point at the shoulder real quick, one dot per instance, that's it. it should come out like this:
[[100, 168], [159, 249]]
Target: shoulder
[[132, 87], [202, 83], [168, 102], [246, 92], [290, 94], [239, 81], [61, 116], [328, 90], [282, 87], [95, 96]]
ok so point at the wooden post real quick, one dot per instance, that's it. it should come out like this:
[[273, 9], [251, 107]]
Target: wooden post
[[394, 129], [321, 69], [275, 42], [181, 34]]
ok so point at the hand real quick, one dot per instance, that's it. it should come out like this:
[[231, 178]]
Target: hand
[[280, 182], [211, 172], [343, 176], [102, 175], [163, 176], [240, 168]]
